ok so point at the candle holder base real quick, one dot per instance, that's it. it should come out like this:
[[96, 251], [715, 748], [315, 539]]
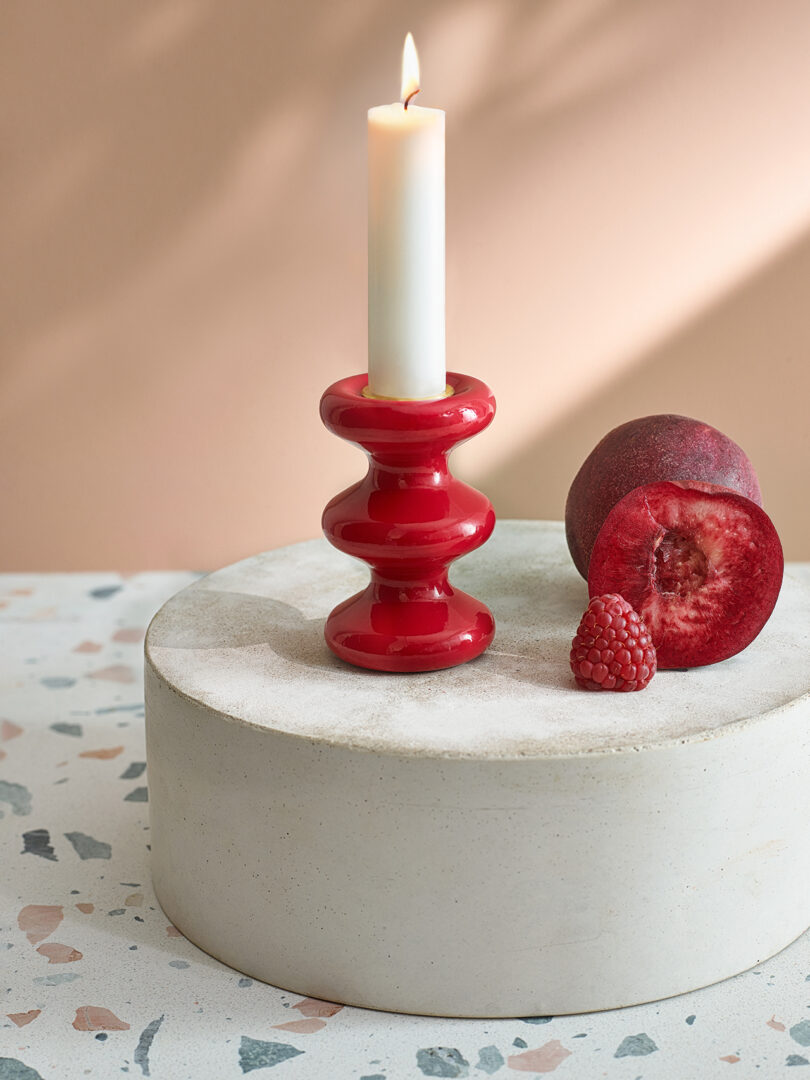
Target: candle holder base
[[409, 518], [415, 635]]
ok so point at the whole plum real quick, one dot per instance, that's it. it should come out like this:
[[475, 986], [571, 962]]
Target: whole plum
[[646, 451]]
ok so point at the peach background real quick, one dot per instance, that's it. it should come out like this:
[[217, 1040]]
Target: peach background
[[183, 215]]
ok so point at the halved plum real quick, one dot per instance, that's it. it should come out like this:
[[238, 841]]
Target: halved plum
[[701, 564]]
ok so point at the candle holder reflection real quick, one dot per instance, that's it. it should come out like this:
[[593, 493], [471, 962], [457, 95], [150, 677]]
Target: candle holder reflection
[[409, 518]]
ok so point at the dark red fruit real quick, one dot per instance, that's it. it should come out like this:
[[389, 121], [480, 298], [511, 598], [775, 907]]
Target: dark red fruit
[[613, 649], [701, 564], [645, 451]]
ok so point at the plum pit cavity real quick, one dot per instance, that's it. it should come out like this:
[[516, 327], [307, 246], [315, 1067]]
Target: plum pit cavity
[[680, 565]]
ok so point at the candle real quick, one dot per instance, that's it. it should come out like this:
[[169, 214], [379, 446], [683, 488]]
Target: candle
[[406, 244]]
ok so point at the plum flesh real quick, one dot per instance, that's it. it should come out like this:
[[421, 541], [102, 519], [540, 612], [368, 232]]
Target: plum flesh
[[701, 564]]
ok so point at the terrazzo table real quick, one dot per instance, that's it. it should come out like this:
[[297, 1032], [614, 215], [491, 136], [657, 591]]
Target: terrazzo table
[[96, 982]]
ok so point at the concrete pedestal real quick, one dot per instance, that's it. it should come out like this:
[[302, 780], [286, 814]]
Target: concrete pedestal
[[484, 841]]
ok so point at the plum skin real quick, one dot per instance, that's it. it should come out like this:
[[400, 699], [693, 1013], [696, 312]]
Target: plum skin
[[649, 449]]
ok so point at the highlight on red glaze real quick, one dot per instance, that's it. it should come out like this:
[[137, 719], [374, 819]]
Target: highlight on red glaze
[[409, 518]]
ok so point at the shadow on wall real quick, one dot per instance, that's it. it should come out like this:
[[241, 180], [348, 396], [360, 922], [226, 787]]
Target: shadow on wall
[[137, 115], [184, 237], [735, 367]]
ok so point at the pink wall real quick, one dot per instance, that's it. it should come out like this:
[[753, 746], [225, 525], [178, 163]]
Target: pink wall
[[628, 214]]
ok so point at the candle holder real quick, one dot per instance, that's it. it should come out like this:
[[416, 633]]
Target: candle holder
[[409, 518]]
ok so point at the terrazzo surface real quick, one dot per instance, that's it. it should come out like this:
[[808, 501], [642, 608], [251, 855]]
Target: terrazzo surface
[[96, 982]]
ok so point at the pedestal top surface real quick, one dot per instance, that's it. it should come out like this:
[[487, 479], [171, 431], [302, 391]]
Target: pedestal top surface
[[247, 641]]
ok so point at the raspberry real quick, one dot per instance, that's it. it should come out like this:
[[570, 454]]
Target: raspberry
[[613, 649]]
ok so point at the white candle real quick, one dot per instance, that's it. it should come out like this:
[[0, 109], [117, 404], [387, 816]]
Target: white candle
[[406, 244]]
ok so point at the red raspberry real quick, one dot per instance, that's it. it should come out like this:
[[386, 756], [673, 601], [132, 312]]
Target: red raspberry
[[613, 649]]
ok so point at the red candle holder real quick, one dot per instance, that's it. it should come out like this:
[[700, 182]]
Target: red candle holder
[[409, 519]]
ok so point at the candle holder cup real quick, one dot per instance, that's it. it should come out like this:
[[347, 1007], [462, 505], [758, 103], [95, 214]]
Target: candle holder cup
[[409, 518]]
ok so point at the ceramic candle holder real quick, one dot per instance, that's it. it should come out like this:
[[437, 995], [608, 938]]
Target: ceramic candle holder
[[409, 519]]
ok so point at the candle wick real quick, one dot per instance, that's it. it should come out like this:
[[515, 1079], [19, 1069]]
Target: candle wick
[[412, 94]]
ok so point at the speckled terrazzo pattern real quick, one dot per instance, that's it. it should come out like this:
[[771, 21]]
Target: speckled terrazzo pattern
[[96, 982]]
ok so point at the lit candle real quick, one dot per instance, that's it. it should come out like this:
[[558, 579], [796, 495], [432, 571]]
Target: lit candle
[[406, 244]]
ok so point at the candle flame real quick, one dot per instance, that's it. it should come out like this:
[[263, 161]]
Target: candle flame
[[410, 71]]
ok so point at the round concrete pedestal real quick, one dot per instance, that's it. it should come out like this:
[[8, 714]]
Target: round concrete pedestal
[[484, 841]]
